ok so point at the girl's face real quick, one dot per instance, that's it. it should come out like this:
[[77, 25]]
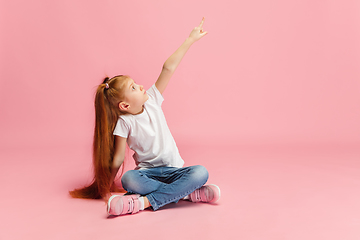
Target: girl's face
[[135, 97]]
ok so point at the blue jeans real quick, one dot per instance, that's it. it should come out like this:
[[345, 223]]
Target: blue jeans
[[163, 185]]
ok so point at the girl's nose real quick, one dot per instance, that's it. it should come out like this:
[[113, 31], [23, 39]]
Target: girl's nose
[[141, 87]]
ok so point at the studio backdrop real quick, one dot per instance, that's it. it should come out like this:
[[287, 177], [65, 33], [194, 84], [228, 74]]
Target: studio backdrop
[[268, 72]]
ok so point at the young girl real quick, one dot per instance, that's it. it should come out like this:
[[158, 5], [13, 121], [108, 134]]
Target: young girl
[[127, 114]]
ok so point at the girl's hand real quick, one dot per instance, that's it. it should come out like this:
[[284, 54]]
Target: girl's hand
[[173, 61], [197, 32]]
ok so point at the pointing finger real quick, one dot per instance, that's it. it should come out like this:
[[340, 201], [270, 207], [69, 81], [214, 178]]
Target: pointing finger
[[202, 22]]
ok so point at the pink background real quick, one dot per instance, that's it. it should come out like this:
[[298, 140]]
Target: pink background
[[270, 74], [267, 72]]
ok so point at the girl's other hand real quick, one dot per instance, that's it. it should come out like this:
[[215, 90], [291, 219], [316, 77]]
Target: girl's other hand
[[198, 32]]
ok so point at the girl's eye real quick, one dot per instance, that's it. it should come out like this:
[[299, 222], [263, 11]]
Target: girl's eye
[[133, 88]]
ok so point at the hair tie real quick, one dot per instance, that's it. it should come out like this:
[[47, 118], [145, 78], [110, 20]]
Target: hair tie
[[106, 85]]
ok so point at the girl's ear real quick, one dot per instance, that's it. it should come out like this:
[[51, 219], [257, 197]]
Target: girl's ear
[[124, 106]]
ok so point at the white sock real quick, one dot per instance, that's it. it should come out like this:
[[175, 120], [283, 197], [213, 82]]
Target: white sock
[[141, 200], [186, 197]]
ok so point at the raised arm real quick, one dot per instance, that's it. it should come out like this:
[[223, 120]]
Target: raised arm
[[173, 61]]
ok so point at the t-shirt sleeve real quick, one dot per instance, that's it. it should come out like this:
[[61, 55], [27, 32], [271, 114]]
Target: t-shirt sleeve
[[155, 95], [121, 128]]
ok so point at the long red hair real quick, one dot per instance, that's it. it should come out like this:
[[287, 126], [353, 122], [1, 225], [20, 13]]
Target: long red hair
[[108, 96]]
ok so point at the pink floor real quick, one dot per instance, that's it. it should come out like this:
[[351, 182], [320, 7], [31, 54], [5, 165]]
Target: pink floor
[[283, 192]]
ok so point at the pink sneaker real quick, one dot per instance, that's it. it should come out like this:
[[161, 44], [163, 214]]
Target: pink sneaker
[[120, 205], [207, 193]]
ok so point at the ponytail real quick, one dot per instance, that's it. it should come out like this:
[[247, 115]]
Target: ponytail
[[108, 95]]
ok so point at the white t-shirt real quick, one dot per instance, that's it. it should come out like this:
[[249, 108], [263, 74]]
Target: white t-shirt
[[149, 136]]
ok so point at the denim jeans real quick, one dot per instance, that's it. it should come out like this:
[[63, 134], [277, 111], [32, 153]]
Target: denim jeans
[[163, 185]]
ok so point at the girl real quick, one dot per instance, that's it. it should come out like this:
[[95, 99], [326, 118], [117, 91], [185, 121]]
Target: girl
[[127, 114]]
